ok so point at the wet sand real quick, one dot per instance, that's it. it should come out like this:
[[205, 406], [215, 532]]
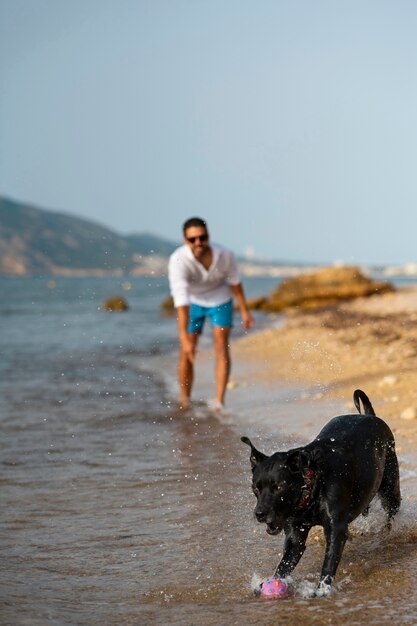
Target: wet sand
[[287, 382], [322, 356], [368, 343]]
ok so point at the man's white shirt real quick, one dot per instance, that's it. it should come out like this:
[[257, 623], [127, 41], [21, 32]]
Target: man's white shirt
[[190, 282]]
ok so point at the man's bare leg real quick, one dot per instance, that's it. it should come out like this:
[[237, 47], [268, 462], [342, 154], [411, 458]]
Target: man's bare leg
[[186, 374], [223, 361]]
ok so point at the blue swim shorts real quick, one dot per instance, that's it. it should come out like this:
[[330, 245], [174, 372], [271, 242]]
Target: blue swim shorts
[[221, 315]]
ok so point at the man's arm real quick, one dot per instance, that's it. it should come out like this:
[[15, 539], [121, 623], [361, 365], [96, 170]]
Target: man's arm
[[179, 289], [247, 319], [187, 346]]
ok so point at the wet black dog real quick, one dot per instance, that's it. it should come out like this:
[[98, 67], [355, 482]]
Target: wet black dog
[[328, 483]]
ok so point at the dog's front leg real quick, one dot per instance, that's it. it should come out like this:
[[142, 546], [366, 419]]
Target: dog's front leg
[[336, 535], [294, 546]]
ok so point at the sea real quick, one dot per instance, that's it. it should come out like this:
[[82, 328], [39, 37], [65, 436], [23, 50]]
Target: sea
[[116, 508]]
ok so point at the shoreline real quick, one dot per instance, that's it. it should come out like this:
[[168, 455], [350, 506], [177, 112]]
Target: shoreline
[[367, 343]]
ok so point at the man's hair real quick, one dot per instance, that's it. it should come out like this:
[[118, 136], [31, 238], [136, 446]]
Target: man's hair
[[194, 221]]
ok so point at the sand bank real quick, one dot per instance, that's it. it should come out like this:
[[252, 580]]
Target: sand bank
[[369, 343]]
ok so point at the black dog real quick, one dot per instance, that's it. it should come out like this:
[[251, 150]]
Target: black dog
[[328, 483]]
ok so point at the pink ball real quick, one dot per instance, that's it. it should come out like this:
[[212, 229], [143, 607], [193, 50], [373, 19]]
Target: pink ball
[[274, 588]]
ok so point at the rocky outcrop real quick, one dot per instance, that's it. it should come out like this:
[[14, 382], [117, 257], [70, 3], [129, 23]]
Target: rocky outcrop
[[115, 304], [324, 287]]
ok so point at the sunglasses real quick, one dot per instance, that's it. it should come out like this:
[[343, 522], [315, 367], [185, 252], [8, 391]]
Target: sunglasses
[[200, 237]]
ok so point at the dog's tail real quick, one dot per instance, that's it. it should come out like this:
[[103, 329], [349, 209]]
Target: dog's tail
[[358, 395]]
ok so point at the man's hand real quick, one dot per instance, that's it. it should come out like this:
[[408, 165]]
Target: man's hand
[[189, 348], [247, 320]]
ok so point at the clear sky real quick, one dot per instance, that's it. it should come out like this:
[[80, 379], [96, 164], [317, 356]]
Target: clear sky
[[290, 125]]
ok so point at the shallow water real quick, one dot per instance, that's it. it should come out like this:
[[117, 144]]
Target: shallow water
[[117, 510], [157, 527]]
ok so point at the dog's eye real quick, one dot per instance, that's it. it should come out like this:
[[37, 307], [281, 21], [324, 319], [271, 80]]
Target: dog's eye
[[256, 491], [277, 487]]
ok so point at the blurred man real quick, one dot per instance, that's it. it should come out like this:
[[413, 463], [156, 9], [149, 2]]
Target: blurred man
[[203, 278]]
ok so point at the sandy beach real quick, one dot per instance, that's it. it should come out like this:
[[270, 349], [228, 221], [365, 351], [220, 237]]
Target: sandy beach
[[368, 343]]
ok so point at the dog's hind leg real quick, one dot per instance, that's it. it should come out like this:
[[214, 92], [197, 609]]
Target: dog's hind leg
[[389, 490]]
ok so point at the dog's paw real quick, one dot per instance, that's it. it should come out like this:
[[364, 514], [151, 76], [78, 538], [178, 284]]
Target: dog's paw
[[323, 590]]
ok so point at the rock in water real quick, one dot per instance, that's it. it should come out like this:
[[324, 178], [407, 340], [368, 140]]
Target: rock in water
[[115, 304]]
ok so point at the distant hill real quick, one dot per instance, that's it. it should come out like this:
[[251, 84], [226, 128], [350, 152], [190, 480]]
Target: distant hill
[[35, 241]]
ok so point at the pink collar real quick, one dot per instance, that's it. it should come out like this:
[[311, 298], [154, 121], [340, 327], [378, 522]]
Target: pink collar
[[307, 488]]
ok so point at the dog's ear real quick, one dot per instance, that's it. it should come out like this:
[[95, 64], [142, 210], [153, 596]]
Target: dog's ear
[[293, 460], [311, 458], [255, 456], [300, 459]]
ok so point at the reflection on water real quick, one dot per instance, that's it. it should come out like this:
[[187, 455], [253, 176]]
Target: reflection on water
[[153, 525]]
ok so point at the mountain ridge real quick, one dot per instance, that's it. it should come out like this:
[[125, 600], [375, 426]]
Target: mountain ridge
[[36, 241]]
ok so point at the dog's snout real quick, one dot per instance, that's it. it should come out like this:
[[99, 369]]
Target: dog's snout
[[260, 515]]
